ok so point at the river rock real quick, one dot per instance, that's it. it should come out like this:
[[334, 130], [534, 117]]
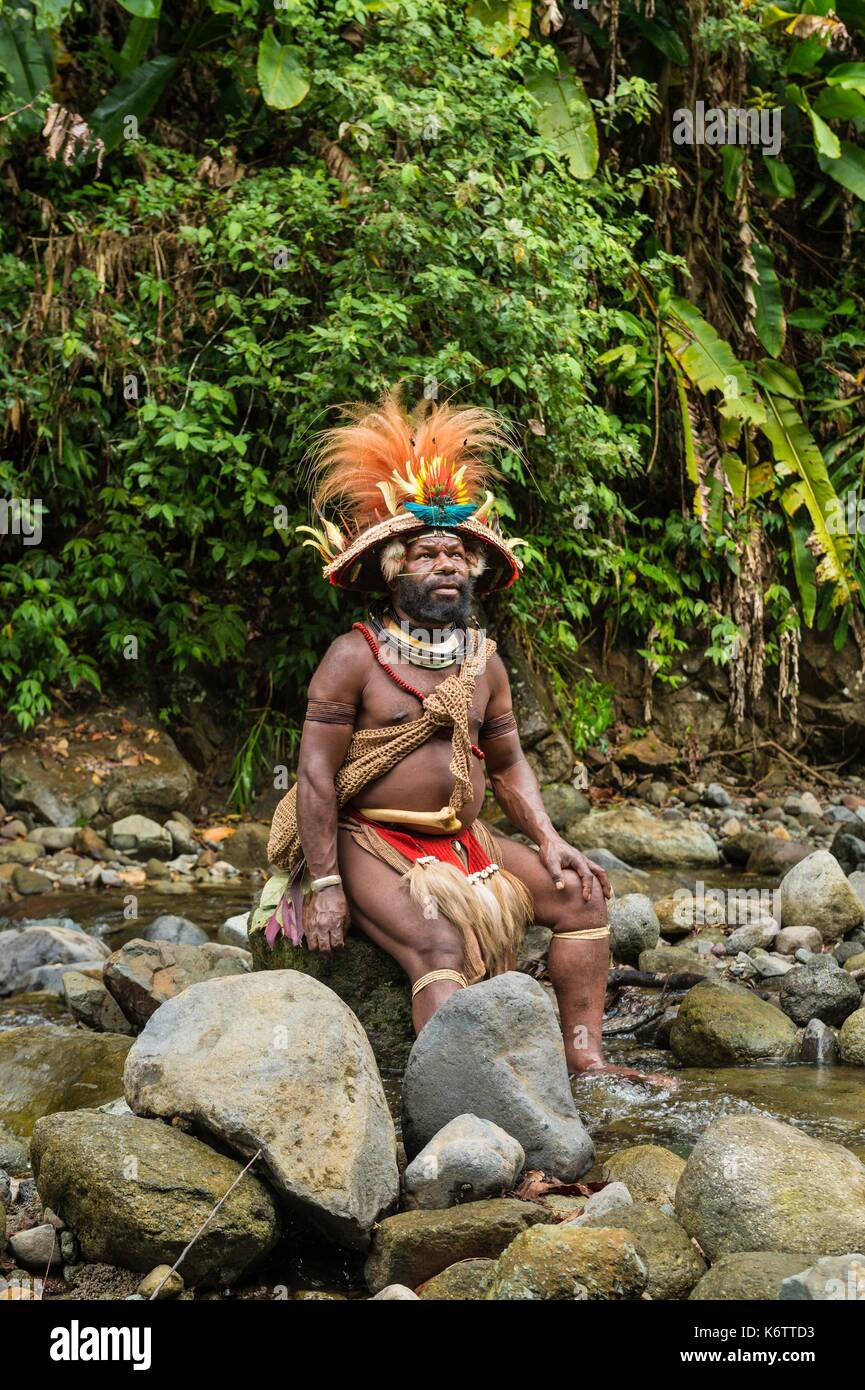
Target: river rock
[[750, 936], [717, 796], [29, 883], [848, 848], [89, 1002], [32, 947], [752, 1276], [276, 1061], [815, 893], [641, 838], [739, 847], [140, 836], [247, 847], [851, 1039], [719, 1024], [365, 977], [36, 1247], [142, 975], [413, 1246], [234, 931], [54, 837], [819, 1044], [564, 803], [671, 960], [770, 966], [468, 1280], [395, 1293], [468, 1160], [649, 1171], [857, 882], [495, 1051], [163, 1281], [566, 1263], [753, 1183], [776, 856], [855, 962], [60, 789], [608, 1199], [675, 914], [645, 754], [135, 1192], [832, 1279], [179, 931], [633, 926], [20, 852], [47, 1069], [792, 939], [183, 839], [820, 989], [673, 1265]]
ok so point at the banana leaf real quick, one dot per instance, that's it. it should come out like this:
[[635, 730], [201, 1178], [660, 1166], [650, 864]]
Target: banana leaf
[[796, 454], [566, 117]]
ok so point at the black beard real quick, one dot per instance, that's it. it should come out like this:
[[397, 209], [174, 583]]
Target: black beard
[[423, 607]]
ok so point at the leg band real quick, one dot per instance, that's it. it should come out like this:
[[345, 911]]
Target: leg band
[[434, 975], [588, 934]]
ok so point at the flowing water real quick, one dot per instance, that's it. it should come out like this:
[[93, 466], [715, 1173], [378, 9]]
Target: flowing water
[[825, 1101]]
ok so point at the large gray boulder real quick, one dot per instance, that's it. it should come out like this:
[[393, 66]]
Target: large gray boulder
[[33, 947], [135, 1192], [719, 1024], [633, 926], [639, 838], [752, 1183], [468, 1160], [275, 1061], [143, 974], [495, 1050], [820, 989], [816, 893]]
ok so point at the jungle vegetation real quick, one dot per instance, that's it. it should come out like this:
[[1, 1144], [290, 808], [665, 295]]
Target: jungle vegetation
[[223, 218]]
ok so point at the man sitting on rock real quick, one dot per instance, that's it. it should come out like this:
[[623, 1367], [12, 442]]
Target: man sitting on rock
[[406, 713]]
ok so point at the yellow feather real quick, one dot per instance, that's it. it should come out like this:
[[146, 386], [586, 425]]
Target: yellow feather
[[387, 492], [334, 535], [485, 507]]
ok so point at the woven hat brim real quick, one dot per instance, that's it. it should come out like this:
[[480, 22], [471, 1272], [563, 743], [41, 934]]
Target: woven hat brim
[[357, 567]]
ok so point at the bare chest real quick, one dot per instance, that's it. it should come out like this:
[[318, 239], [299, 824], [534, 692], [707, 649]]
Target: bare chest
[[384, 702]]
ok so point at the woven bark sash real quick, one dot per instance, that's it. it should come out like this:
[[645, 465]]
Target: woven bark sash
[[373, 752]]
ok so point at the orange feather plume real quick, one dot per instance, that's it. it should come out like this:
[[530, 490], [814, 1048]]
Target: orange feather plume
[[349, 461]]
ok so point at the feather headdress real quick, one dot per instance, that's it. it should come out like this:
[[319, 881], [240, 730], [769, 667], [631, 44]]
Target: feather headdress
[[389, 473]]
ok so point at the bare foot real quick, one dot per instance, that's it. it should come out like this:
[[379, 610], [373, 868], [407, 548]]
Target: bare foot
[[654, 1079]]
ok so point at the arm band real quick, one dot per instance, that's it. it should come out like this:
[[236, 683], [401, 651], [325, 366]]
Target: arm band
[[498, 727], [330, 712]]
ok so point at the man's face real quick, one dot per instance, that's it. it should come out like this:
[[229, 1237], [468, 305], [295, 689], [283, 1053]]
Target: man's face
[[435, 587]]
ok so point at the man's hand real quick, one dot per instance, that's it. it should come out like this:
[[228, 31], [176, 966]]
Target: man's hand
[[325, 919], [557, 854]]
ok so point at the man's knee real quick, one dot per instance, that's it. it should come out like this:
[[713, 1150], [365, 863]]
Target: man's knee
[[575, 913], [441, 948]]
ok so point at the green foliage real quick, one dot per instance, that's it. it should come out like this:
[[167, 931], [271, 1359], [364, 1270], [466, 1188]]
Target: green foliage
[[301, 205]]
